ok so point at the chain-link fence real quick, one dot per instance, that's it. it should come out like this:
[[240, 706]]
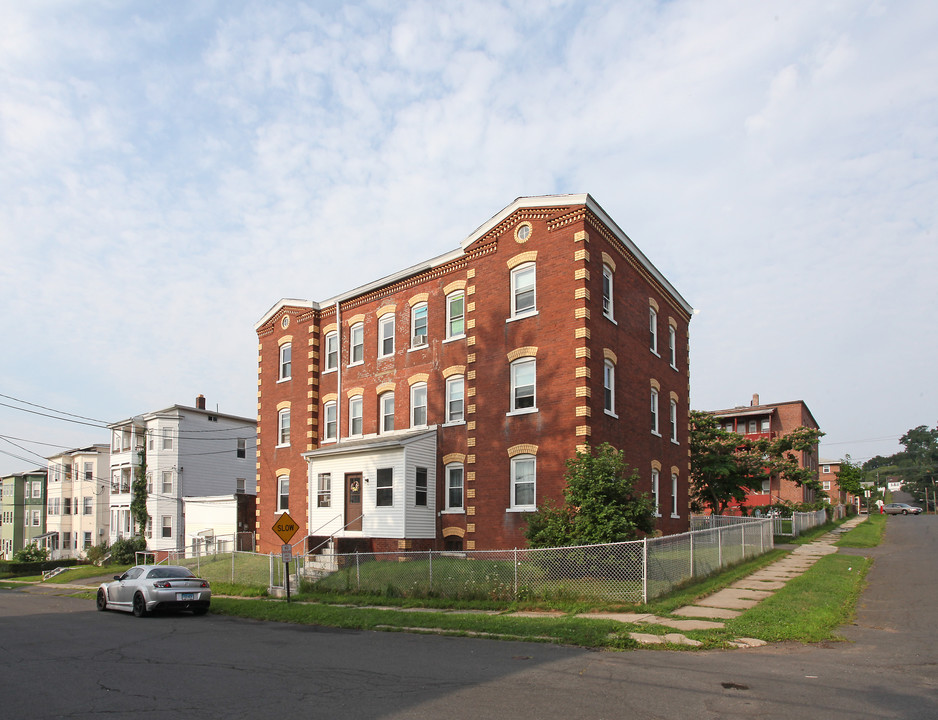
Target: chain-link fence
[[628, 572]]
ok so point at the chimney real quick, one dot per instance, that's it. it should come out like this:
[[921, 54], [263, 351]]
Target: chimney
[[755, 399], [200, 402]]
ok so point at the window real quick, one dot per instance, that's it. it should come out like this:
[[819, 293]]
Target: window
[[87, 506], [522, 290], [87, 540], [329, 411], [167, 439], [241, 486], [455, 315], [523, 472], [654, 411], [454, 486], [286, 365], [655, 492], [455, 391], [332, 351], [418, 405], [167, 526], [609, 387], [607, 291], [766, 425], [386, 336], [827, 485], [242, 447], [825, 468], [653, 329], [384, 490], [37, 489], [418, 325], [283, 493], [357, 345], [89, 471], [752, 426], [420, 487], [66, 541], [167, 482], [324, 490], [283, 423], [672, 345], [387, 412], [673, 421], [674, 512], [66, 506], [355, 416], [54, 507], [523, 385]]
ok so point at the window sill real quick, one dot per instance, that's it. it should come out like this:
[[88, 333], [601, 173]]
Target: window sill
[[329, 370], [610, 319], [654, 352], [457, 511], [525, 411], [454, 338], [282, 445], [674, 367], [522, 316], [453, 423], [611, 414], [675, 517], [675, 442], [525, 509], [354, 364], [656, 433], [386, 357], [328, 441], [418, 347], [284, 379]]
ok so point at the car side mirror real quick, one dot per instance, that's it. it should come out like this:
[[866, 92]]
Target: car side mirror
[[117, 577]]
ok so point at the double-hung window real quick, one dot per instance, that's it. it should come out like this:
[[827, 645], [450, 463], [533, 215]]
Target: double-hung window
[[386, 336], [672, 345], [357, 344], [674, 512], [167, 526], [286, 363], [355, 416], [418, 325], [330, 424], [455, 315], [384, 487], [418, 405], [167, 438], [283, 493], [653, 330], [386, 403], [420, 487], [607, 291], [655, 492], [283, 425], [609, 387], [332, 351], [324, 490], [673, 421], [523, 475], [454, 487], [455, 398], [166, 482], [654, 411], [523, 382], [522, 290]]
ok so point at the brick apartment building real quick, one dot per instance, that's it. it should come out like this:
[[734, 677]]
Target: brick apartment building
[[773, 420], [829, 475], [436, 407]]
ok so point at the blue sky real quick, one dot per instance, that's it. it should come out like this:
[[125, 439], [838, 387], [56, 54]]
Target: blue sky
[[168, 171]]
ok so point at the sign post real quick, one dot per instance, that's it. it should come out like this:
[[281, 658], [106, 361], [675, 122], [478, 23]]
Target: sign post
[[286, 528]]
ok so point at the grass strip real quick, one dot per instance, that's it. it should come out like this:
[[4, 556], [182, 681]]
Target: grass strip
[[810, 607], [865, 535]]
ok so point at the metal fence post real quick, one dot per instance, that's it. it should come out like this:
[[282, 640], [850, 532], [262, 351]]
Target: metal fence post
[[358, 576], [430, 554], [516, 572], [692, 556], [719, 547], [645, 570], [232, 565]]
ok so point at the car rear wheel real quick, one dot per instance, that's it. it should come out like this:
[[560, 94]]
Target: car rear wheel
[[905, 512], [140, 606], [101, 600]]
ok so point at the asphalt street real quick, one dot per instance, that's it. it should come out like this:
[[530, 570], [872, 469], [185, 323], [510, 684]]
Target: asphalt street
[[59, 658]]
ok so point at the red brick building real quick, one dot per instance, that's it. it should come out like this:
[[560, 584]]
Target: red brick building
[[436, 407], [829, 475], [773, 420]]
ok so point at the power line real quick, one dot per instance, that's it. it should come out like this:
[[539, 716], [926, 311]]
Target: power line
[[60, 412]]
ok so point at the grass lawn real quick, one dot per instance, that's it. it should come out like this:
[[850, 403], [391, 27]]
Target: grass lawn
[[865, 535]]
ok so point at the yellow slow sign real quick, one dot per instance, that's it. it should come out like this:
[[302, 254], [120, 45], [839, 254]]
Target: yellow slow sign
[[286, 527]]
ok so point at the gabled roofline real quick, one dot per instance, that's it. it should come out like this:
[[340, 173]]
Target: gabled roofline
[[151, 415], [761, 409], [521, 203]]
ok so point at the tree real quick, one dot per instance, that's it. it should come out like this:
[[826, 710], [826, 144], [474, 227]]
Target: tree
[[138, 502], [725, 465], [850, 477], [601, 504], [31, 553], [918, 464]]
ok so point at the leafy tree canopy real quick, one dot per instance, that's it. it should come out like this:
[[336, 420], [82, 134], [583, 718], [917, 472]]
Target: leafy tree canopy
[[31, 553], [601, 504]]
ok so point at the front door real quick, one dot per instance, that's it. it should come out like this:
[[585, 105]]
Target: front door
[[353, 501]]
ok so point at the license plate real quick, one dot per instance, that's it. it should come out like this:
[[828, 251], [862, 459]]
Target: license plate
[[185, 596]]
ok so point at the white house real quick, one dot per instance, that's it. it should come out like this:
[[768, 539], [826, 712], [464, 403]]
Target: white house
[[188, 452], [77, 501]]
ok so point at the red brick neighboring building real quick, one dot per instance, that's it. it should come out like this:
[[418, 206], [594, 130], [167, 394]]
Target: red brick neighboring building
[[436, 407], [773, 420], [829, 475]]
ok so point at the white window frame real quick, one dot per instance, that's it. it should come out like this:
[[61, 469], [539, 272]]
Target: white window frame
[[672, 345], [451, 318], [356, 419], [386, 336], [416, 323], [674, 422], [331, 345], [516, 462], [421, 486], [519, 365], [609, 388], [653, 329], [286, 362], [330, 426], [386, 404], [283, 427], [324, 490], [167, 435], [384, 486], [825, 469], [166, 528], [674, 508], [517, 273], [455, 399], [283, 491], [166, 482], [654, 412], [451, 472], [655, 491], [356, 344], [418, 392], [608, 292]]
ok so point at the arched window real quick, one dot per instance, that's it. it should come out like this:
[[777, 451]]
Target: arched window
[[454, 487]]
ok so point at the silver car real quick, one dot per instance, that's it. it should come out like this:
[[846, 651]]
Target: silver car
[[901, 509], [146, 588]]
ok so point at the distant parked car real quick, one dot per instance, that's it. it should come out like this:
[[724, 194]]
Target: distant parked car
[[901, 509], [147, 588]]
